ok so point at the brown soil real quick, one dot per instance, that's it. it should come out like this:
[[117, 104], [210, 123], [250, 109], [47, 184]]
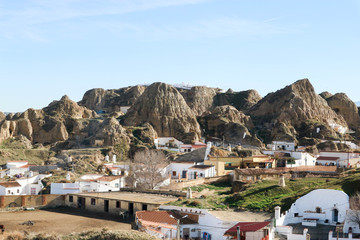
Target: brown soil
[[60, 222]]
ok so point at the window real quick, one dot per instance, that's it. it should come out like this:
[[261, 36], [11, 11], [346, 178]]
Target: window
[[18, 191], [8, 191], [318, 210], [201, 174], [118, 204], [296, 214], [174, 173], [117, 185], [144, 207], [71, 199], [93, 201]]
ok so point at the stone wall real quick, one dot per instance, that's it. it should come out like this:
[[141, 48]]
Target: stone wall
[[46, 200]]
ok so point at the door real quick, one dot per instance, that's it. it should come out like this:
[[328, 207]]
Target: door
[[131, 209], [183, 174], [335, 215], [106, 205], [81, 202], [186, 233]]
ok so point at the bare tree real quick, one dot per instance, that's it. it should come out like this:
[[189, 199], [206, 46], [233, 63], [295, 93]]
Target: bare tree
[[147, 169], [354, 212]]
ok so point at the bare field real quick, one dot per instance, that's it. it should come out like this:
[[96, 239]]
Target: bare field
[[59, 222]]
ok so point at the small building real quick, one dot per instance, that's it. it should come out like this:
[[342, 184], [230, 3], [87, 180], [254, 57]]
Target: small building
[[10, 188], [251, 231], [90, 183], [124, 109], [117, 203], [339, 159], [321, 206], [163, 224], [201, 171], [179, 170], [292, 158], [282, 145], [168, 143], [191, 147], [16, 168], [255, 174]]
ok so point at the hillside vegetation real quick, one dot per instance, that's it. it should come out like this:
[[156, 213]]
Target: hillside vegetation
[[265, 195]]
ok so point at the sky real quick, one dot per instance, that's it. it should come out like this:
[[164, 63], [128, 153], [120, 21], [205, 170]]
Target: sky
[[52, 48]]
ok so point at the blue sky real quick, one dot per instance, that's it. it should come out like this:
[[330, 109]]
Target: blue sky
[[51, 48]]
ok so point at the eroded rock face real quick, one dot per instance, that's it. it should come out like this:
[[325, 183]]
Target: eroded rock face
[[325, 95], [293, 105], [228, 122], [242, 101], [200, 99], [343, 106], [111, 101], [165, 109], [2, 116]]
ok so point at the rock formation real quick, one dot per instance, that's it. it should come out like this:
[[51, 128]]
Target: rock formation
[[293, 105], [325, 95], [228, 122], [110, 101], [165, 109], [242, 101], [200, 99], [2, 116], [343, 106]]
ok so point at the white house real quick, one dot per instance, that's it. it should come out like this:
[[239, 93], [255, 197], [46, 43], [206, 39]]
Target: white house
[[90, 183], [321, 206], [180, 170], [251, 231], [10, 188], [207, 227], [191, 147], [201, 171], [340, 159], [299, 158], [24, 186], [168, 143], [116, 169], [282, 145], [16, 168]]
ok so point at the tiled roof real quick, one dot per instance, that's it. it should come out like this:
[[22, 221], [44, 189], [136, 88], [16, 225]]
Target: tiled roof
[[327, 158], [10, 184], [163, 217], [246, 227]]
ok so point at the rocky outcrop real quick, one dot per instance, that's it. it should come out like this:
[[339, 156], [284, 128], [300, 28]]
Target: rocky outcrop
[[325, 95], [165, 109], [200, 99], [66, 108], [2, 116], [343, 106], [242, 101], [293, 105], [228, 122], [111, 101]]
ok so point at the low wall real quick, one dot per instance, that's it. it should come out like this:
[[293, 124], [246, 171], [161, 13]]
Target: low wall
[[48, 200], [200, 181]]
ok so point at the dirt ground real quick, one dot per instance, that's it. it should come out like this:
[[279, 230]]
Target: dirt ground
[[60, 222]]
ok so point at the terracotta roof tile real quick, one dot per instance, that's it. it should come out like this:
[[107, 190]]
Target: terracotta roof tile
[[246, 227], [163, 217], [327, 158], [10, 184]]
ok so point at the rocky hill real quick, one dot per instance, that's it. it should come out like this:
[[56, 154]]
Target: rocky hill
[[285, 111], [295, 112], [166, 110]]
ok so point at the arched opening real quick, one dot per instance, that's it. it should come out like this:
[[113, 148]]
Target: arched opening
[[335, 215]]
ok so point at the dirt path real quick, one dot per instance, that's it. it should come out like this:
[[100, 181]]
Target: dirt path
[[64, 222]]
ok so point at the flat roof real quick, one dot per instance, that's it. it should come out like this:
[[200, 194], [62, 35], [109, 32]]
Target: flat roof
[[131, 197]]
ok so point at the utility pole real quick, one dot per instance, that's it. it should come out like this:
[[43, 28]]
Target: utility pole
[[238, 233]]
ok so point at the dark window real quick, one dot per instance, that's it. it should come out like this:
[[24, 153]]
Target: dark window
[[93, 201], [118, 204], [318, 210], [144, 207], [71, 198], [296, 214]]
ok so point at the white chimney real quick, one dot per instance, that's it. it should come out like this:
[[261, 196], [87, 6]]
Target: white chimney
[[114, 158], [277, 212], [68, 177], [31, 174], [107, 159]]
